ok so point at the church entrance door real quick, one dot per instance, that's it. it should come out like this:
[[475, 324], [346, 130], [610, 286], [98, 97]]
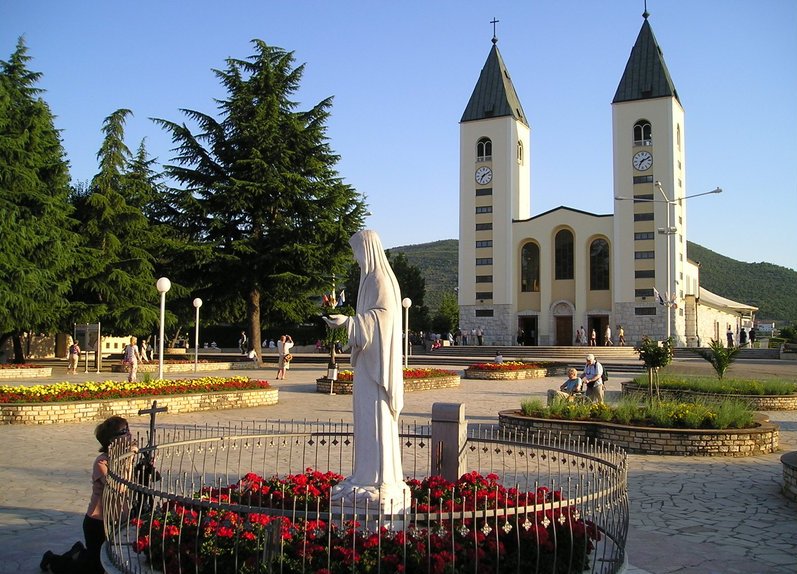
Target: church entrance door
[[598, 322], [527, 331], [564, 331]]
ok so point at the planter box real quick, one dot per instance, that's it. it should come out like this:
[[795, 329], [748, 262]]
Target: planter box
[[534, 373], [323, 384], [26, 373], [152, 367], [762, 439], [756, 402], [79, 411], [789, 461]]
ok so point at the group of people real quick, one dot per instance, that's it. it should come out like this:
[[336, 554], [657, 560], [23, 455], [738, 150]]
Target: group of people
[[592, 341], [590, 383], [745, 337]]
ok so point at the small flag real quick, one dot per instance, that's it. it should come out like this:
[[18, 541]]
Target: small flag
[[658, 296], [342, 298]]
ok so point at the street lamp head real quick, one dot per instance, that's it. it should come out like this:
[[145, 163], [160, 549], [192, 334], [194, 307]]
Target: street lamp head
[[718, 190], [163, 285], [197, 302], [406, 302]]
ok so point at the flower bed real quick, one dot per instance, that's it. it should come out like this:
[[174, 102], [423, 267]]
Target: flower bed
[[68, 402], [762, 439], [755, 402], [543, 533], [414, 380], [513, 370]]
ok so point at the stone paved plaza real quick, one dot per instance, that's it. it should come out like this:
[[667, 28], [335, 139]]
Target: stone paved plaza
[[687, 515]]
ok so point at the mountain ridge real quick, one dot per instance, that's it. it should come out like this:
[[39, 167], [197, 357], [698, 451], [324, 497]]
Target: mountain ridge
[[770, 287]]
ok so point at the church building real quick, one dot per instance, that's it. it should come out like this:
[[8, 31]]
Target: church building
[[537, 279]]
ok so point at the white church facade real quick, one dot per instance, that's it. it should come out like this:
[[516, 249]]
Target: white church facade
[[536, 279]]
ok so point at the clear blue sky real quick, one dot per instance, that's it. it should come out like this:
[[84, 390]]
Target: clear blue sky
[[401, 74]]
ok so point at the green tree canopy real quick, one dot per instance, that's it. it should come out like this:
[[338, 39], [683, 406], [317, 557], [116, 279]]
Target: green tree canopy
[[259, 188], [37, 244], [117, 285]]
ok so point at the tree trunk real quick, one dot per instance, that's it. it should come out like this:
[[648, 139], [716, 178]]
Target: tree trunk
[[19, 349], [253, 313]]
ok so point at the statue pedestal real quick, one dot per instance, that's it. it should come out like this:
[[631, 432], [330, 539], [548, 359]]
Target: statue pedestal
[[374, 506]]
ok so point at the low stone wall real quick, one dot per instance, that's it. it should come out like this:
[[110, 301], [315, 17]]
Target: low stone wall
[[345, 387], [789, 461], [762, 439], [79, 411], [534, 373], [756, 402], [152, 367], [26, 373]]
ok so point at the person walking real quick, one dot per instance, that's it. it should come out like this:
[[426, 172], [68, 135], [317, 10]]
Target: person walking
[[607, 337], [74, 358], [131, 358], [593, 338], [620, 336], [243, 343], [284, 346]]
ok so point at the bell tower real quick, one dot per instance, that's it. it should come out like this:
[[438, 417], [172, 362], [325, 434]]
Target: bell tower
[[649, 185], [494, 190]]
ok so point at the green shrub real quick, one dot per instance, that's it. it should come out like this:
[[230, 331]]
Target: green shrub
[[724, 386]]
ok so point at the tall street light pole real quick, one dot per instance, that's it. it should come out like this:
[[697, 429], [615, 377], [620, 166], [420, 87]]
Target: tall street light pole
[[197, 305], [163, 285], [669, 231], [406, 303]]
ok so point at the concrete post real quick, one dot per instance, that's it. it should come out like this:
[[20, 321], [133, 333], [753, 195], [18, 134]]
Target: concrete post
[[449, 436]]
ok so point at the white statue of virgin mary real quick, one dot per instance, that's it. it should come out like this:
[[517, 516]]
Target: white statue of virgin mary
[[378, 395]]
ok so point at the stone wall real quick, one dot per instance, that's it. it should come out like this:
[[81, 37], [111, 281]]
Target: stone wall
[[152, 367], [80, 411], [345, 387], [26, 373], [789, 461], [471, 373], [756, 402], [762, 439]]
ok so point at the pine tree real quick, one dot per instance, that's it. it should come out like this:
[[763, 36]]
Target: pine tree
[[260, 189], [37, 244], [117, 286]]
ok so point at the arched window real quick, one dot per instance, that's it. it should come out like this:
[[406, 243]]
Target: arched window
[[643, 133], [484, 149], [563, 246], [530, 268], [599, 265], [520, 152]]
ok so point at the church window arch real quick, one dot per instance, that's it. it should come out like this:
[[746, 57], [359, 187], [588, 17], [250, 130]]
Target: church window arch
[[520, 152], [599, 259], [484, 149], [530, 268], [643, 133], [563, 254]]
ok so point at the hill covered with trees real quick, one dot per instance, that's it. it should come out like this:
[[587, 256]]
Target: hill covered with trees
[[771, 288]]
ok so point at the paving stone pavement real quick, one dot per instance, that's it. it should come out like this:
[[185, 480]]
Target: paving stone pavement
[[689, 515]]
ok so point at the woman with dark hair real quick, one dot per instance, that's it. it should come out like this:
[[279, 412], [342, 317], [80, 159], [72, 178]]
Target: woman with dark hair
[[87, 559]]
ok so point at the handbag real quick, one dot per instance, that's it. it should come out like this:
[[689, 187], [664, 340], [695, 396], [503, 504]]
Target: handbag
[[288, 358]]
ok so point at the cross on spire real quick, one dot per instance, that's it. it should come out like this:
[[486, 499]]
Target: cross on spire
[[494, 22]]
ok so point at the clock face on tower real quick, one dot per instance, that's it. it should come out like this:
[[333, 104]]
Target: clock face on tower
[[643, 160], [484, 175]]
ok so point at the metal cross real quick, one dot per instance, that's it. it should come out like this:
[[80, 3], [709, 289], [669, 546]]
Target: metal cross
[[152, 411], [494, 22]]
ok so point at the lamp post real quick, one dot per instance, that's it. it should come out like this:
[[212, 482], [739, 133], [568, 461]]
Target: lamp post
[[197, 305], [163, 285], [406, 303], [669, 230]]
